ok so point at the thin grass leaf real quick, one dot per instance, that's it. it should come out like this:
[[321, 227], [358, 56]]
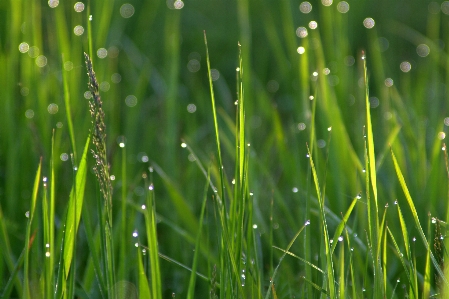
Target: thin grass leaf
[[404, 264], [150, 224], [427, 270], [28, 238], [13, 278], [342, 285], [343, 222], [329, 263], [404, 232], [416, 219], [314, 285], [191, 289], [300, 258], [282, 258]]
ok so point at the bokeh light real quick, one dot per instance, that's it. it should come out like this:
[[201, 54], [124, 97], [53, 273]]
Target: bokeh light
[[127, 10], [368, 23], [305, 7]]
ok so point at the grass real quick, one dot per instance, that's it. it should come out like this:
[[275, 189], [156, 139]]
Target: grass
[[210, 151]]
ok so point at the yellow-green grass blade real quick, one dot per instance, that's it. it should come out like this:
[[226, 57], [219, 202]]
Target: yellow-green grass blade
[[150, 224], [144, 288], [315, 286], [28, 238], [171, 260], [329, 263], [351, 265], [427, 270], [342, 223], [404, 232], [383, 241], [191, 289], [214, 114], [76, 200], [416, 219], [312, 266], [341, 258], [404, 264]]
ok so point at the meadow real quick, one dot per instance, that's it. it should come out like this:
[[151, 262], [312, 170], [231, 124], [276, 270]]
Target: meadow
[[224, 149]]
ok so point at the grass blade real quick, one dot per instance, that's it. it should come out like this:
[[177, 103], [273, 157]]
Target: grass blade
[[416, 219], [76, 200], [28, 238]]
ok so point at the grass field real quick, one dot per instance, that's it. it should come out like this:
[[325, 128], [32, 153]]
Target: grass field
[[224, 149]]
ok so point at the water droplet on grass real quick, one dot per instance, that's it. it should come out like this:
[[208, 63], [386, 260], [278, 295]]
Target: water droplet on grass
[[313, 25], [295, 190], [143, 207], [301, 50], [151, 187], [135, 233], [27, 214]]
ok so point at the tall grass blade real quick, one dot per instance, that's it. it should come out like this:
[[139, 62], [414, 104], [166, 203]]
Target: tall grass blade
[[28, 238], [150, 224], [76, 201], [328, 253], [144, 287], [191, 289]]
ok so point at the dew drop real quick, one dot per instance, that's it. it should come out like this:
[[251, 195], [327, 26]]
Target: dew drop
[[434, 220], [143, 207], [295, 190], [136, 244], [395, 202], [340, 238], [307, 222], [151, 187], [254, 226], [183, 145], [47, 254], [27, 214], [135, 233]]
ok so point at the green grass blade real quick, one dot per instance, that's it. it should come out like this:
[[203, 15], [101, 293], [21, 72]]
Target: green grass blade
[[342, 223], [144, 288], [150, 224], [282, 258], [14, 279], [427, 270], [28, 238], [404, 263], [329, 263], [416, 219], [191, 289], [74, 211]]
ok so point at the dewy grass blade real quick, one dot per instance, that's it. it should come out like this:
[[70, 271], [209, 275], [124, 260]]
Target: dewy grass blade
[[329, 263], [416, 219], [28, 238], [404, 264], [342, 223], [144, 287], [150, 224]]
